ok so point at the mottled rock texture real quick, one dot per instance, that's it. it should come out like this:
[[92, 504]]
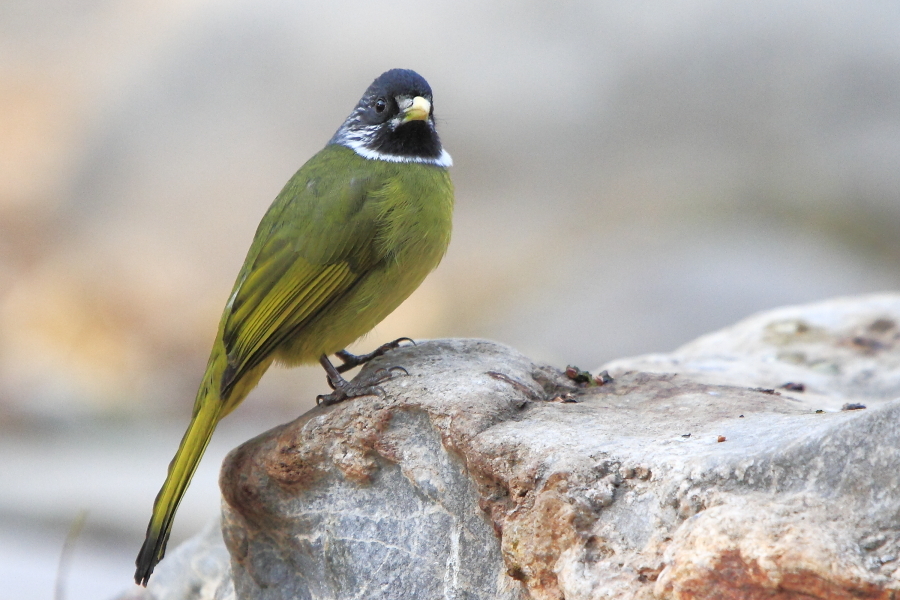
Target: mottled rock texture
[[843, 350], [482, 475]]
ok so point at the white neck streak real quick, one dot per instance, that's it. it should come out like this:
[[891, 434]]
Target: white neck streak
[[357, 146]]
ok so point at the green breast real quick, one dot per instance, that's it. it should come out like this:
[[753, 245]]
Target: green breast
[[390, 222]]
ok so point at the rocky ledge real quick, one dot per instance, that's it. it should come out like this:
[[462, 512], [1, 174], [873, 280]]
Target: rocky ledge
[[761, 461]]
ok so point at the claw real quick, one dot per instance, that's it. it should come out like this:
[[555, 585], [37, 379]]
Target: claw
[[352, 360], [361, 386], [349, 391]]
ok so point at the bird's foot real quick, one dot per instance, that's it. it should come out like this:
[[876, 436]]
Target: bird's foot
[[368, 385], [354, 360]]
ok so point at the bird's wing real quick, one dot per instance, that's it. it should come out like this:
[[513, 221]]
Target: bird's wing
[[312, 247]]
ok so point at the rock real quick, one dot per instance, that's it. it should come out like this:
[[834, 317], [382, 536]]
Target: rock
[[482, 475], [846, 349], [372, 498]]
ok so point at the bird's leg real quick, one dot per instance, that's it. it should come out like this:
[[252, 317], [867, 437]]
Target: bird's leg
[[353, 360], [359, 386]]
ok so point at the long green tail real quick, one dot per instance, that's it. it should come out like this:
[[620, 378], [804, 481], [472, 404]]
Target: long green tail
[[207, 412]]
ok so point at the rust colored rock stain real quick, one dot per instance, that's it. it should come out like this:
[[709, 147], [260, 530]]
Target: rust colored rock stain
[[731, 577]]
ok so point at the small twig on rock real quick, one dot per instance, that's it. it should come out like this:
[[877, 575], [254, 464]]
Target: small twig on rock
[[515, 383], [794, 387]]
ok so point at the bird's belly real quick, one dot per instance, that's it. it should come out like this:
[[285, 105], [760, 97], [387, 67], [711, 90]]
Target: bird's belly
[[366, 304]]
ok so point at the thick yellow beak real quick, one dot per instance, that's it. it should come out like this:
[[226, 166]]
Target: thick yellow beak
[[418, 110]]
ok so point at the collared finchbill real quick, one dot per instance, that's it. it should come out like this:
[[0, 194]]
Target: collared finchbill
[[418, 110], [348, 238]]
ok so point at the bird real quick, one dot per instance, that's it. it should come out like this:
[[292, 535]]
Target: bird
[[350, 236]]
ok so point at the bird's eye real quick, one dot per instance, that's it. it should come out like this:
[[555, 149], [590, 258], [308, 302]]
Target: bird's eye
[[380, 105]]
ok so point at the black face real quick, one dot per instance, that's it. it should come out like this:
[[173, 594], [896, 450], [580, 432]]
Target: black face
[[376, 125], [379, 103]]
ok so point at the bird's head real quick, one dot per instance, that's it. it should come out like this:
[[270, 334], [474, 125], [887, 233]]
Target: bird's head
[[394, 121]]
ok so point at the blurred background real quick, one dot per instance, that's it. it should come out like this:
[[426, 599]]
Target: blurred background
[[629, 175]]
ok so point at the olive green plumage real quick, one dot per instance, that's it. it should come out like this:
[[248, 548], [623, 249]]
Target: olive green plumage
[[321, 274], [345, 242]]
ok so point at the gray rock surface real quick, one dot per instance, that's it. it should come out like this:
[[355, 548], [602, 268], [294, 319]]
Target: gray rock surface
[[842, 350], [368, 499], [483, 475]]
